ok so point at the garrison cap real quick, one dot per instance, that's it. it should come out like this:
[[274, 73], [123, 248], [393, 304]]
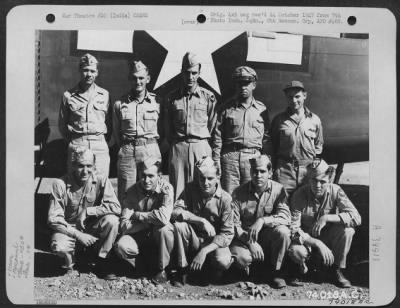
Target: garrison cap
[[149, 162], [87, 60], [294, 84], [138, 66], [189, 60], [318, 167], [260, 161], [205, 164], [244, 73]]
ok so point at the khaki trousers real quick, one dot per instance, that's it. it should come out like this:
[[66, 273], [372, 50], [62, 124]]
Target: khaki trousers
[[274, 241], [129, 246], [187, 244], [183, 155], [337, 237], [105, 228]]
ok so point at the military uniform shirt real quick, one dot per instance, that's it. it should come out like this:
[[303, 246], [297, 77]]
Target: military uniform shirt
[[154, 207], [217, 210], [66, 204], [132, 119], [248, 206], [296, 140], [190, 115], [84, 113], [306, 210], [244, 127]]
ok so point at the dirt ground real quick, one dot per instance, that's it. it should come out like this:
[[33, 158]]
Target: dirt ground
[[57, 288]]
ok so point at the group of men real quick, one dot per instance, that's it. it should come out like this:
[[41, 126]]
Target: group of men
[[241, 190]]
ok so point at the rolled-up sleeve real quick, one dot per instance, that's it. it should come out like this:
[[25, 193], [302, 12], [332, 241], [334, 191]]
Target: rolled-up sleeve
[[226, 232], [347, 211], [56, 218]]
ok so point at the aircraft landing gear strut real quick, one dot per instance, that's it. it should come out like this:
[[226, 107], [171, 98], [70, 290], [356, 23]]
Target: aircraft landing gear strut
[[338, 173]]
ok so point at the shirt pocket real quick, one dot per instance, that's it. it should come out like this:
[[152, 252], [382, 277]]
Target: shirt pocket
[[233, 124], [310, 132], [258, 125], [90, 199], [150, 121], [200, 113], [77, 110], [100, 106], [179, 112]]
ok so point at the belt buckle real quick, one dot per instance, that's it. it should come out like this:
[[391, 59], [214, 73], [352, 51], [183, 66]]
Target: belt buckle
[[140, 142]]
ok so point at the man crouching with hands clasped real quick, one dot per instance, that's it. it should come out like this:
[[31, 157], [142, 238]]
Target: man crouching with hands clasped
[[203, 225]]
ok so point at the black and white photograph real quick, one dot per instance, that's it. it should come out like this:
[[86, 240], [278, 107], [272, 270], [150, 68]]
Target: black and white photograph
[[200, 165]]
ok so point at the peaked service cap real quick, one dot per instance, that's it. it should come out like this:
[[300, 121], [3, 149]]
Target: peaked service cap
[[244, 73], [294, 84]]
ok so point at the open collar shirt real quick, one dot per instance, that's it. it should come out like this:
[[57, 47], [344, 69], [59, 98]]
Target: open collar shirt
[[306, 209], [84, 113], [248, 206], [244, 126], [154, 207], [190, 115], [296, 139], [216, 209], [133, 119], [97, 197]]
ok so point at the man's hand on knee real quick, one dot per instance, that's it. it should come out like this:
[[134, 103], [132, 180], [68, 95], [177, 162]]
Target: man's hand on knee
[[86, 239], [256, 251], [326, 253], [198, 261]]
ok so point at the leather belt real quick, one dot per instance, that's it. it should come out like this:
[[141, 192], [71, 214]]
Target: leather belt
[[87, 137], [234, 147], [140, 141], [190, 140]]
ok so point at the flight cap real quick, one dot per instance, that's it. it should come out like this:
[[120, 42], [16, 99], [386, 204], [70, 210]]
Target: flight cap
[[244, 73], [138, 66], [149, 162], [87, 60], [294, 84], [260, 161], [317, 168], [205, 164], [189, 60]]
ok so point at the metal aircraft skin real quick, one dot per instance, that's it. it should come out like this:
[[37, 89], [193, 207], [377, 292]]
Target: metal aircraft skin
[[334, 71]]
